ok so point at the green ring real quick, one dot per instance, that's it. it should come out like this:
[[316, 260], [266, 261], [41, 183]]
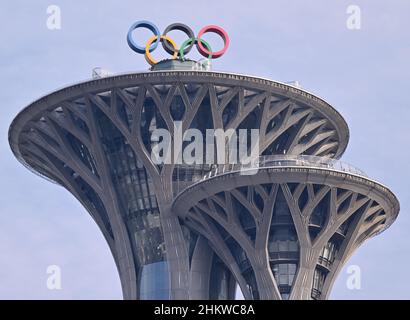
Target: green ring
[[189, 41]]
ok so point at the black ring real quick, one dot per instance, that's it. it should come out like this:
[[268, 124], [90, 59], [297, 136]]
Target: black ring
[[181, 27]]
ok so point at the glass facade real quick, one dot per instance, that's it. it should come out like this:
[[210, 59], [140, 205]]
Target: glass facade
[[284, 274], [154, 281], [138, 203], [219, 281], [319, 278], [136, 193], [283, 246]]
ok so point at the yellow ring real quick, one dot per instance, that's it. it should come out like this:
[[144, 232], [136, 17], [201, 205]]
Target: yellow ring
[[148, 55]]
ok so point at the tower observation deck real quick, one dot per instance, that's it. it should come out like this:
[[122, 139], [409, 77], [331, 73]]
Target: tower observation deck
[[196, 231]]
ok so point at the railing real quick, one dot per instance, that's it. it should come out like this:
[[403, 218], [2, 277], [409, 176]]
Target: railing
[[286, 161], [195, 173]]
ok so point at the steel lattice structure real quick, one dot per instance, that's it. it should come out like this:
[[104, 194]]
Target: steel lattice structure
[[302, 215], [198, 229]]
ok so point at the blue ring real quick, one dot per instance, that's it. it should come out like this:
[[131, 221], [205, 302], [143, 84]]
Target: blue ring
[[143, 24]]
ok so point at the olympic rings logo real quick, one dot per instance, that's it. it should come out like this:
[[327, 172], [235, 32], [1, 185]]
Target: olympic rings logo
[[170, 46]]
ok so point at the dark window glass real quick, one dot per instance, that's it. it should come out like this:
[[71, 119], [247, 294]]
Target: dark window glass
[[154, 281]]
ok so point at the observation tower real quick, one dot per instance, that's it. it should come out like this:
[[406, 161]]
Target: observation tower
[[280, 228]]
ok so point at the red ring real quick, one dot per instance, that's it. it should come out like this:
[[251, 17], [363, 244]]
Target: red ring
[[218, 30]]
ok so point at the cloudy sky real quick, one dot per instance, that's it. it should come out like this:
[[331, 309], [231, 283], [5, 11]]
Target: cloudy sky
[[364, 73]]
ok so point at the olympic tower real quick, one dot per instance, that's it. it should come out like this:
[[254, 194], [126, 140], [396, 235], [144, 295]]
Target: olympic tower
[[280, 228]]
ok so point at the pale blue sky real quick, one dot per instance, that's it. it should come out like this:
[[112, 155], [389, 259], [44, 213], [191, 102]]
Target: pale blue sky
[[365, 74]]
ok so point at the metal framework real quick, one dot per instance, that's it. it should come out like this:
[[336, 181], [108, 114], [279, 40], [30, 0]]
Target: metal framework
[[303, 217], [92, 138]]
